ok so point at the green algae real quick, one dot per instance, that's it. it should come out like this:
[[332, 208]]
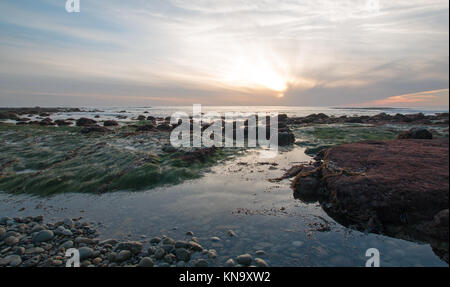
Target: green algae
[[322, 136], [318, 137], [48, 160]]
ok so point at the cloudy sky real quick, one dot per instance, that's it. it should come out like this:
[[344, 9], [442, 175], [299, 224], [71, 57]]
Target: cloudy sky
[[225, 52]]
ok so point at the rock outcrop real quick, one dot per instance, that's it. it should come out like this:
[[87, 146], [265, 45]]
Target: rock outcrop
[[399, 188]]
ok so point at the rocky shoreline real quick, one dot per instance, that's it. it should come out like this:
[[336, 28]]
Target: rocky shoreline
[[29, 242], [394, 187]]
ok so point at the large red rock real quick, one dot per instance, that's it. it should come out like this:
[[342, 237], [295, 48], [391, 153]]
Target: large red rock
[[400, 181], [398, 187]]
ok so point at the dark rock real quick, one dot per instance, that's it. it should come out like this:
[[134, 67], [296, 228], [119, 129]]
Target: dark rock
[[245, 259], [83, 122], [182, 254], [43, 236], [63, 123], [134, 246], [416, 133], [95, 128], [145, 128], [146, 262], [110, 123], [397, 187], [164, 127]]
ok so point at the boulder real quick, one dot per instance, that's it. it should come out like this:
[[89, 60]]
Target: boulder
[[416, 133], [110, 123], [83, 122]]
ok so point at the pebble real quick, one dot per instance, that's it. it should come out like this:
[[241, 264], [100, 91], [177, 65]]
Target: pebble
[[230, 263], [261, 262], [195, 246], [181, 244], [108, 242], [201, 263], [34, 250], [11, 260], [68, 222], [97, 260], [245, 259], [43, 235], [215, 239], [155, 240], [159, 253], [86, 252], [134, 247], [146, 262], [231, 233], [182, 254], [168, 241], [11, 240], [85, 240], [66, 245], [212, 254], [260, 252], [123, 255]]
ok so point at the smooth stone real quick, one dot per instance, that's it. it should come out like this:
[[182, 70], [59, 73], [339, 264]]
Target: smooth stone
[[66, 245], [37, 228], [97, 261], [195, 246], [85, 240], [108, 242], [67, 232], [133, 246], [11, 260], [146, 262], [215, 239], [169, 258], [230, 263], [32, 262], [43, 235], [86, 252], [5, 219], [19, 250], [155, 240], [201, 263], [181, 244], [159, 253], [68, 222], [245, 259], [34, 250], [260, 252], [11, 240], [123, 255], [182, 254], [231, 233], [2, 232], [212, 253], [261, 262], [168, 241]]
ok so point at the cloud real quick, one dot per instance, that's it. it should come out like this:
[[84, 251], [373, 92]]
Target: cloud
[[232, 51], [426, 98]]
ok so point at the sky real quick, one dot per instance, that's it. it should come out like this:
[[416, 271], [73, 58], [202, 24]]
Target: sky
[[225, 52]]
